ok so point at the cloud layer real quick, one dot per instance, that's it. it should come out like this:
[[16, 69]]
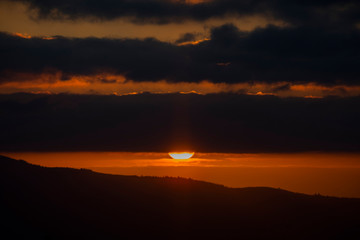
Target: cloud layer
[[333, 13], [151, 122], [315, 45], [271, 54]]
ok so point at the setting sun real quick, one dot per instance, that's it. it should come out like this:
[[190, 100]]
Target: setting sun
[[181, 155]]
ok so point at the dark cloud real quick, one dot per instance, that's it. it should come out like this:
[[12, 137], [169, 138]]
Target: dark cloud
[[150, 122], [285, 87], [333, 13], [187, 37], [271, 54], [108, 80]]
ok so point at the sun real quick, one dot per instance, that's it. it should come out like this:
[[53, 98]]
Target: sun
[[181, 155]]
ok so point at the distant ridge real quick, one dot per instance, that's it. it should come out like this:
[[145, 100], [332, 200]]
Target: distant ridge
[[64, 203]]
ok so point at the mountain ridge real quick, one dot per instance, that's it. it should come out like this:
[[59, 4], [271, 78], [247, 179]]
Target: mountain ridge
[[66, 203]]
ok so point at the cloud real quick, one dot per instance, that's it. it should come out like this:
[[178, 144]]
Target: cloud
[[115, 84], [333, 13], [187, 37], [152, 122], [271, 54]]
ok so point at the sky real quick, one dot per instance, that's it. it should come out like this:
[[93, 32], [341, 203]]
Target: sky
[[206, 76], [329, 174]]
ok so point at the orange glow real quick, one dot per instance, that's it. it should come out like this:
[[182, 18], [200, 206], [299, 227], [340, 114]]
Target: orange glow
[[333, 174], [48, 38], [311, 96], [22, 35], [50, 82], [260, 93], [213, 160], [181, 155], [28, 36], [194, 42]]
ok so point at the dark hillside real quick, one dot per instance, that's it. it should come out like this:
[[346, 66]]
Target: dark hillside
[[63, 203]]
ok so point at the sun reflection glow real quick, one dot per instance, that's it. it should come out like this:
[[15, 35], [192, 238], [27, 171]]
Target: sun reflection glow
[[181, 155]]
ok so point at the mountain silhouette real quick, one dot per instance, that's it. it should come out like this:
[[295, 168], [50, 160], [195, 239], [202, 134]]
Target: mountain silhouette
[[63, 203]]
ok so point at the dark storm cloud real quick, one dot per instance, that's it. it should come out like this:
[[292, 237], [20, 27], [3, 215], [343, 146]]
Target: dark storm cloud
[[271, 54], [314, 12], [150, 122]]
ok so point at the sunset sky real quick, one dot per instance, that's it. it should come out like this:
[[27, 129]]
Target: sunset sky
[[277, 80]]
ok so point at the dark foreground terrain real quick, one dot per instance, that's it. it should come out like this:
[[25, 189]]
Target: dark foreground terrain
[[63, 203]]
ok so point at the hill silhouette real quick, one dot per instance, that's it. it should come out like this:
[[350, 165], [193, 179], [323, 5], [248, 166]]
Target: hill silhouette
[[64, 203]]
